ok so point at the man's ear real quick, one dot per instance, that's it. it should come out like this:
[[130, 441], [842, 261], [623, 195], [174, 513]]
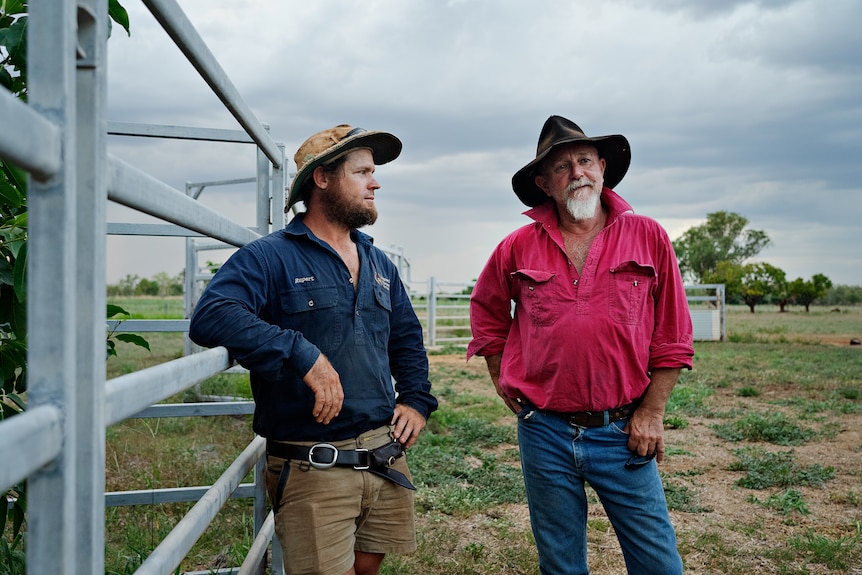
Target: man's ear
[[321, 177], [542, 184]]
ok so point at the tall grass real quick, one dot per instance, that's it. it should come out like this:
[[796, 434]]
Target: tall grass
[[763, 449]]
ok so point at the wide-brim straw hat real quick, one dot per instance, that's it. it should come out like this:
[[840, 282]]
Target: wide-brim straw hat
[[330, 144], [557, 131]]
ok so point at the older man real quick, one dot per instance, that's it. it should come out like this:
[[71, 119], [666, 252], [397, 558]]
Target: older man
[[599, 334], [321, 319]]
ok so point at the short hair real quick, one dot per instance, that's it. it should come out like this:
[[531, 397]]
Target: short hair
[[330, 168]]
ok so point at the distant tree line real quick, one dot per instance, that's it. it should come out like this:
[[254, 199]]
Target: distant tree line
[[718, 252], [160, 285]]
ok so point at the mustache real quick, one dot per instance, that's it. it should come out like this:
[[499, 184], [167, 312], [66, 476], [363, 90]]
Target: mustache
[[582, 181]]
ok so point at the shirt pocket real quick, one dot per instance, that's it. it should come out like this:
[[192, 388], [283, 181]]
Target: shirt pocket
[[538, 295], [630, 290], [377, 322], [314, 313]]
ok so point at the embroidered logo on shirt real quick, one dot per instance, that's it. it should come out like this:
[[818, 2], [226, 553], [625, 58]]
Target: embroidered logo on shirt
[[303, 280], [381, 281]]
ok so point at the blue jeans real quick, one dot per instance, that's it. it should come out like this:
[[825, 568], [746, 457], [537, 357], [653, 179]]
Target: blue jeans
[[557, 460]]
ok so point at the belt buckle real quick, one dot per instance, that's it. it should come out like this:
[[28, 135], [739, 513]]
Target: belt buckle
[[318, 465], [367, 464]]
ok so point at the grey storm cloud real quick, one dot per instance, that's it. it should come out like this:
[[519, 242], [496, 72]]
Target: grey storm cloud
[[745, 106]]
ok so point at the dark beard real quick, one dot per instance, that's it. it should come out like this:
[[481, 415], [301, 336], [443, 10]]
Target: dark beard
[[340, 210]]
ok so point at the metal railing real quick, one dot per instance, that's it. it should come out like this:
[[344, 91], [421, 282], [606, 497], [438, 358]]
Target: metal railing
[[60, 138]]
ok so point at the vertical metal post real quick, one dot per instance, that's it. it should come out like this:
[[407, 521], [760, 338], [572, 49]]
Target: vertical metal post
[[432, 311], [53, 504], [279, 183], [91, 207], [263, 191], [260, 503], [190, 279]]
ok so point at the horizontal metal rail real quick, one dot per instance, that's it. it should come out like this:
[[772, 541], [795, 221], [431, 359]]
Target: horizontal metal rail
[[138, 190], [257, 551], [170, 495], [173, 549], [182, 32], [178, 132], [131, 393], [140, 229], [147, 325], [28, 139], [30, 440], [203, 409]]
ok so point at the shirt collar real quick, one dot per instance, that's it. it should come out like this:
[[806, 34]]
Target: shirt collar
[[297, 227]]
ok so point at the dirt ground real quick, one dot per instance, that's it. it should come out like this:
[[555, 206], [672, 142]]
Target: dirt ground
[[748, 535]]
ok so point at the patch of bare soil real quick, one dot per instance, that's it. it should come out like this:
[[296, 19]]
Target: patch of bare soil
[[726, 521]]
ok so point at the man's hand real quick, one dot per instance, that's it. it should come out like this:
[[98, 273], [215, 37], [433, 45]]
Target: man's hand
[[646, 426], [494, 362], [646, 433], [408, 424], [324, 381]]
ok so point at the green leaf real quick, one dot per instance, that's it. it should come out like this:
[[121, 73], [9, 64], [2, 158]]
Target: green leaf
[[111, 348], [119, 15], [14, 6], [117, 310], [135, 339], [10, 195], [6, 79], [16, 44], [17, 400], [20, 274]]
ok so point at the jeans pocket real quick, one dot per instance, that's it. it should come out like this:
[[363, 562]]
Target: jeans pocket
[[619, 426]]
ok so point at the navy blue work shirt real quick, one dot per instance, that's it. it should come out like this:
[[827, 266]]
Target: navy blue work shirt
[[281, 300]]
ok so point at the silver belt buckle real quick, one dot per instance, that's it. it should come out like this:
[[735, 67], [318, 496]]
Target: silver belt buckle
[[362, 467], [318, 465]]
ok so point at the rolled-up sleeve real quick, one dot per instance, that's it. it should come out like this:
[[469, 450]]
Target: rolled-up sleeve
[[490, 306], [672, 341]]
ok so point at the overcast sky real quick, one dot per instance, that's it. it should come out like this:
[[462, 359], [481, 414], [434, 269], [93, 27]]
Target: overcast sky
[[747, 106]]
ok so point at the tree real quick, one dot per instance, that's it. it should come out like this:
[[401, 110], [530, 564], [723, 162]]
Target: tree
[[760, 281], [752, 284], [147, 287], [723, 237], [805, 292]]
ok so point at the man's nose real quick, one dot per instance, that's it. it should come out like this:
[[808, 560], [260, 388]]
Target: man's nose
[[576, 171]]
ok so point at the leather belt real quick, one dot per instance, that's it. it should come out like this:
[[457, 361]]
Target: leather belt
[[599, 418], [325, 455]]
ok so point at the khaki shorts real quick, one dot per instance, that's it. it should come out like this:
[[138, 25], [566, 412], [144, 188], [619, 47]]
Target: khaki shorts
[[325, 515]]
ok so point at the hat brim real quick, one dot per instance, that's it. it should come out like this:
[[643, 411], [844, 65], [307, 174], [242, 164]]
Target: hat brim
[[384, 147], [614, 149]]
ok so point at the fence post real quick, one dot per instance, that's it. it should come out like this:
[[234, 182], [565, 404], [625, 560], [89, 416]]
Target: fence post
[[432, 311], [53, 502], [263, 191]]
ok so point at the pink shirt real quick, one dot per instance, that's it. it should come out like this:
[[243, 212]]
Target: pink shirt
[[582, 342]]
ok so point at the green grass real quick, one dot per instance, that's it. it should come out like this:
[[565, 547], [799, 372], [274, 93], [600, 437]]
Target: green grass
[[772, 385], [764, 469], [151, 307], [773, 428]]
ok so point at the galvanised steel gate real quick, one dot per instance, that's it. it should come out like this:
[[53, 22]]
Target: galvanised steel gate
[[59, 138]]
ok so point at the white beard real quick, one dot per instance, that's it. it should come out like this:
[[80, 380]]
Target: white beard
[[583, 208]]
